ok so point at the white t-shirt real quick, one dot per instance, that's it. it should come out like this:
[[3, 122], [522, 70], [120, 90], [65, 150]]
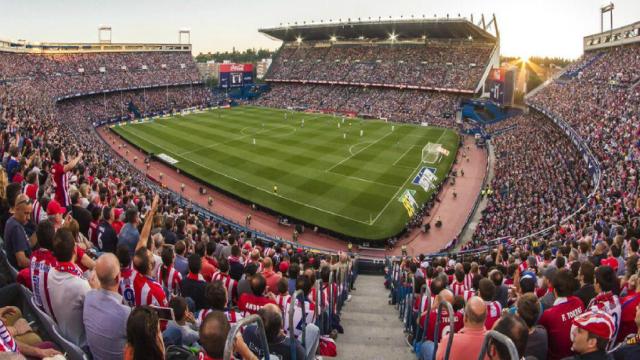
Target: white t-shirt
[[67, 292]]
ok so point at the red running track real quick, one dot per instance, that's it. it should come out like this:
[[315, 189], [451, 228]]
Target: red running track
[[453, 213]]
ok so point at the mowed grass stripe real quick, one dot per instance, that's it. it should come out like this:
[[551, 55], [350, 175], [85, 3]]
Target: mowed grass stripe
[[344, 200]]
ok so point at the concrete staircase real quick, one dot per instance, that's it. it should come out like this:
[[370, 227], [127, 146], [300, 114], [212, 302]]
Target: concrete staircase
[[372, 329]]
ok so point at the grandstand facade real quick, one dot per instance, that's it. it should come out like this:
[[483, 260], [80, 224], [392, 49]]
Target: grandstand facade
[[371, 68]]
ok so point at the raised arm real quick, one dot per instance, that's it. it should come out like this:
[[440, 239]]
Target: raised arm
[[148, 222]]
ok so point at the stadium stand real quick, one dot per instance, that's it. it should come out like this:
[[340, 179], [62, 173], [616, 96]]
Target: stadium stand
[[558, 243], [49, 108]]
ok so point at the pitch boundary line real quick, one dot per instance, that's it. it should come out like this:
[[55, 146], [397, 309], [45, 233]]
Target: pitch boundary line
[[256, 187], [358, 152], [403, 154], [361, 179], [403, 184]]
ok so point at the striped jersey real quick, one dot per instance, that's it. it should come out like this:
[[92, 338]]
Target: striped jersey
[[171, 281], [230, 284], [61, 181], [282, 301], [232, 316], [458, 288], [7, 343], [609, 303], [127, 275], [38, 213], [298, 321], [148, 292], [494, 310]]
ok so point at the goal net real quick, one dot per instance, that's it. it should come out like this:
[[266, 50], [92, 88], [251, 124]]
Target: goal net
[[431, 153]]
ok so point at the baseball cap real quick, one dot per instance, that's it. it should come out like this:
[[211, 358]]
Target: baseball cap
[[284, 267], [611, 262], [597, 322], [54, 208]]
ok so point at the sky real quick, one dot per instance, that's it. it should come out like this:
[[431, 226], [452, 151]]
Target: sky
[[527, 28]]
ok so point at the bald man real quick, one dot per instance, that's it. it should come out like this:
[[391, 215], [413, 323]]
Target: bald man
[[469, 339], [271, 277], [104, 315], [426, 350]]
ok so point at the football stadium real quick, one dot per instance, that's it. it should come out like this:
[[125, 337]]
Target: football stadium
[[355, 187]]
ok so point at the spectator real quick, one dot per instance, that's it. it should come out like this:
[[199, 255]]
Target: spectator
[[106, 236], [279, 343], [590, 334], [104, 316], [235, 264], [216, 299], [515, 329], [251, 303], [16, 241], [470, 338], [630, 347], [585, 276], [181, 262], [194, 284], [487, 291], [144, 338], [272, 278], [230, 284], [606, 286], [168, 276], [244, 285], [180, 332], [557, 319], [82, 215], [60, 177], [129, 234], [213, 337], [66, 289], [529, 310]]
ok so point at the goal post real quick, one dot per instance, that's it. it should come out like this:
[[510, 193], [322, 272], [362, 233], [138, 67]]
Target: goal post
[[431, 153]]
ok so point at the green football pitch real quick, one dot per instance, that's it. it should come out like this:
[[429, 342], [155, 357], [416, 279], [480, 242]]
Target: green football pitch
[[326, 172]]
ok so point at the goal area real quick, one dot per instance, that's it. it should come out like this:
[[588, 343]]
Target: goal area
[[431, 153]]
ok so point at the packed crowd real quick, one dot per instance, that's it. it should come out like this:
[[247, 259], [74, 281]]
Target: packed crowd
[[414, 106], [539, 178], [71, 74], [436, 64], [102, 248], [575, 291]]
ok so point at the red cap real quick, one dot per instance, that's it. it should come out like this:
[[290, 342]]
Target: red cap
[[597, 322], [117, 212], [54, 208], [284, 267], [611, 262], [247, 245]]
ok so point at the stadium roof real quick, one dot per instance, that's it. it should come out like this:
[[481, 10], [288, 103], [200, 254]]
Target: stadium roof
[[459, 28]]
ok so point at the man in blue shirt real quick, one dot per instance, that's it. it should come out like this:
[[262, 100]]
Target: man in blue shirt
[[104, 315], [16, 242], [129, 234]]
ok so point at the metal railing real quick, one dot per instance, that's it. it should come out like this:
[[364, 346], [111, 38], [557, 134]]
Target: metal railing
[[436, 329], [501, 338], [231, 337]]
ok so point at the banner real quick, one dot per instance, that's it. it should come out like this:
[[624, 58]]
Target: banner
[[426, 178], [409, 202]]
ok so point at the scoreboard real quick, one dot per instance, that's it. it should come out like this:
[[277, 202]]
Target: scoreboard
[[235, 75], [501, 84]]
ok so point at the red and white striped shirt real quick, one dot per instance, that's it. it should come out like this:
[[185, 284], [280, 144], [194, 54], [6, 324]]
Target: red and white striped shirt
[[230, 284], [282, 301], [148, 292], [494, 310], [7, 344], [609, 303], [310, 314], [31, 190], [171, 282], [127, 275], [468, 281], [468, 294], [38, 213], [232, 316], [61, 181], [458, 288]]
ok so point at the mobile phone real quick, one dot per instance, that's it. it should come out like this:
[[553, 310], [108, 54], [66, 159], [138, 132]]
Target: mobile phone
[[164, 313]]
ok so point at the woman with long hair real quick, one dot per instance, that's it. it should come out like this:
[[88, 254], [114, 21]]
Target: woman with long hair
[[144, 338], [168, 276]]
